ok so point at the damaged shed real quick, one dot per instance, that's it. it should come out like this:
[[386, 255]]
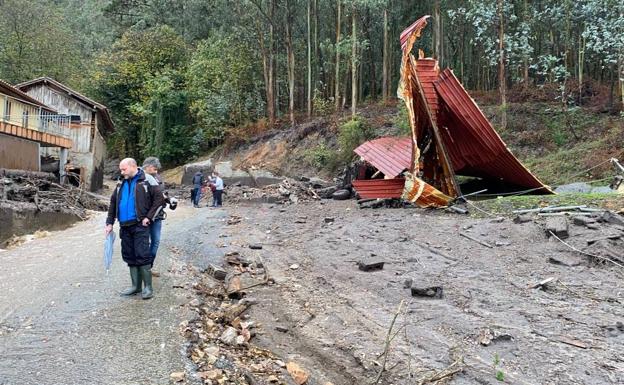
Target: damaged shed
[[450, 136]]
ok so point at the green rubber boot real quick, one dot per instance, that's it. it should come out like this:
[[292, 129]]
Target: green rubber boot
[[146, 274], [135, 276]]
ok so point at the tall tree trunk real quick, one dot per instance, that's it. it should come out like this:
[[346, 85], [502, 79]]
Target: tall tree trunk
[[309, 63], [385, 80], [501, 65], [621, 61], [525, 75], [271, 85], [265, 67], [319, 68], [354, 64], [291, 65], [437, 33], [337, 77], [581, 60]]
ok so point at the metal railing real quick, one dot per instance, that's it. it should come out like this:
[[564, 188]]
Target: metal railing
[[49, 123]]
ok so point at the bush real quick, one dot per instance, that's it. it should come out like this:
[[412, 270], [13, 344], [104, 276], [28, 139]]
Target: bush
[[351, 134], [321, 105], [321, 157], [401, 120]]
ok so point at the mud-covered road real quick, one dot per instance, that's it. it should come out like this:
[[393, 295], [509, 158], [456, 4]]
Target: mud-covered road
[[490, 324], [63, 322]]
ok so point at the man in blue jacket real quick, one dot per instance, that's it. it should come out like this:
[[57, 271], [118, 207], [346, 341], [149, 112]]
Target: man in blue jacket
[[135, 203]]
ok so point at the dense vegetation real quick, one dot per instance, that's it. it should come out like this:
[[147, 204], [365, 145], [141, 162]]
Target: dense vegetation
[[180, 75]]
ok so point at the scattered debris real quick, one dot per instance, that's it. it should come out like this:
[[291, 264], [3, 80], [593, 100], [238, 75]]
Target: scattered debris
[[523, 218], [572, 342], [288, 191], [604, 238], [557, 226], [233, 220], [341, 195], [487, 336], [177, 376], [371, 264], [458, 209], [543, 284], [41, 189], [583, 220], [565, 261], [298, 374], [431, 292], [255, 246], [612, 218], [216, 272], [476, 240]]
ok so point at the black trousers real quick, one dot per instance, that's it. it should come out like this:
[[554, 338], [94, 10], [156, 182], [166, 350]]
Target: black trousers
[[218, 197], [135, 245]]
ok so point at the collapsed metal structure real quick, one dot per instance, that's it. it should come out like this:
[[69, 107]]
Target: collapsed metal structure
[[450, 136]]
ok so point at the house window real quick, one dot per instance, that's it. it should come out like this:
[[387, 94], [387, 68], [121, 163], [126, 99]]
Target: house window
[[25, 119], [7, 110]]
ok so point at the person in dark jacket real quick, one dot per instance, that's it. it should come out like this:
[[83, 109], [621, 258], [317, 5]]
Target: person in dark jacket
[[198, 183], [135, 202], [151, 165]]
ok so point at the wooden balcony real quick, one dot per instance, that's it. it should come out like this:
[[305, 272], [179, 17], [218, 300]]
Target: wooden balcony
[[45, 139]]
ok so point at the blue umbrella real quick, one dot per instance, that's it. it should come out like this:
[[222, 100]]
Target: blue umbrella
[[108, 250]]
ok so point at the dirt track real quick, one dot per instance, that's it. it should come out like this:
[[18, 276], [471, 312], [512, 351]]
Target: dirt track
[[338, 316]]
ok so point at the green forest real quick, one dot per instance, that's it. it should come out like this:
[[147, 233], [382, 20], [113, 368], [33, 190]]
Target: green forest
[[179, 76]]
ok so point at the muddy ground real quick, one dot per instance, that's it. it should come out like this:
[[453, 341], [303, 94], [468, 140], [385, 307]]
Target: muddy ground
[[62, 322], [333, 319]]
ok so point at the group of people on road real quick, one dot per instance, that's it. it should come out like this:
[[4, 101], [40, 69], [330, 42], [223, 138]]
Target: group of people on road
[[138, 203], [214, 182]]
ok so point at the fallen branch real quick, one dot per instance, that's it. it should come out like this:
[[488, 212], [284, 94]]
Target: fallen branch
[[451, 370], [476, 240], [389, 338]]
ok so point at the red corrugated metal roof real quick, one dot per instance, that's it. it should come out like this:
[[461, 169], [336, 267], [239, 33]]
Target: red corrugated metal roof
[[474, 146], [379, 188], [416, 27], [389, 155]]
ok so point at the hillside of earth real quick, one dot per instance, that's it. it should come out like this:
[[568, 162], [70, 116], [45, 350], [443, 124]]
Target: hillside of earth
[[558, 144]]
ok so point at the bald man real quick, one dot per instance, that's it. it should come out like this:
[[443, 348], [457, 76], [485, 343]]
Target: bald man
[[135, 203]]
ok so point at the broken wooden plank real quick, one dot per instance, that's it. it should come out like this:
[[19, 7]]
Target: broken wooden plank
[[572, 342], [476, 240], [542, 284]]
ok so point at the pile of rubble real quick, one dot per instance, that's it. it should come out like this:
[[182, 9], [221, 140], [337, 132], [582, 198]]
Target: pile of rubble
[[39, 188], [288, 191], [221, 335], [598, 234]]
